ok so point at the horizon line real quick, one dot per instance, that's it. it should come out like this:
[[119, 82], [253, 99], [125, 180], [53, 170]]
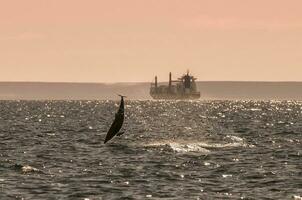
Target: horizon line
[[140, 82]]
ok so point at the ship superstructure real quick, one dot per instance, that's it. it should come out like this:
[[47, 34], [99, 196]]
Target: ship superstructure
[[182, 88]]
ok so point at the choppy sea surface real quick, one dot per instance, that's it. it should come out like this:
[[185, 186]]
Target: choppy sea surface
[[170, 150]]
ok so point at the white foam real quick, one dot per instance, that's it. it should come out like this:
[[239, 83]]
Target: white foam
[[183, 148], [27, 168], [226, 175], [296, 197], [235, 138], [180, 147], [221, 145], [255, 109], [190, 146]]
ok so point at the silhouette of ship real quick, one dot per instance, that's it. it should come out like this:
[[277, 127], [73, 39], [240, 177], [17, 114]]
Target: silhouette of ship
[[182, 88]]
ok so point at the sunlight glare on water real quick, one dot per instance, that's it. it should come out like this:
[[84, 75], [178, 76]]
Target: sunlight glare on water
[[170, 149]]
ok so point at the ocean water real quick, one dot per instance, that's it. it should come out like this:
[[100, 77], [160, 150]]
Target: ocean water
[[170, 150]]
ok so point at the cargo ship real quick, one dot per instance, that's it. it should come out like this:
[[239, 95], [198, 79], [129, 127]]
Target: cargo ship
[[182, 88]]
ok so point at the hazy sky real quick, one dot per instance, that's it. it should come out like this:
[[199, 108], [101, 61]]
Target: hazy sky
[[132, 40]]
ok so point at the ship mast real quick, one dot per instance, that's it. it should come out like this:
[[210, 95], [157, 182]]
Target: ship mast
[[170, 81]]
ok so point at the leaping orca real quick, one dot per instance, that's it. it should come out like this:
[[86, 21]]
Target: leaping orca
[[117, 123]]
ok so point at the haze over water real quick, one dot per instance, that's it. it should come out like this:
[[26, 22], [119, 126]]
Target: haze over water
[[212, 90], [170, 150]]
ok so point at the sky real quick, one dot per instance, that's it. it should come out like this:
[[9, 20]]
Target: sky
[[134, 40]]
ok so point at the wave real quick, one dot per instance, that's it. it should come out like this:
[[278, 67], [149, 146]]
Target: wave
[[192, 146]]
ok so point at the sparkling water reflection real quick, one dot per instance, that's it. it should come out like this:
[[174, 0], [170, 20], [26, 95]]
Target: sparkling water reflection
[[171, 149]]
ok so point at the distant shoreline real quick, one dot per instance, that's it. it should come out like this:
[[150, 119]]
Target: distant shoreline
[[112, 83], [210, 90]]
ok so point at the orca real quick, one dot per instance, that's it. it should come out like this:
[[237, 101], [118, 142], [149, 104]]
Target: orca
[[120, 133], [117, 123]]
